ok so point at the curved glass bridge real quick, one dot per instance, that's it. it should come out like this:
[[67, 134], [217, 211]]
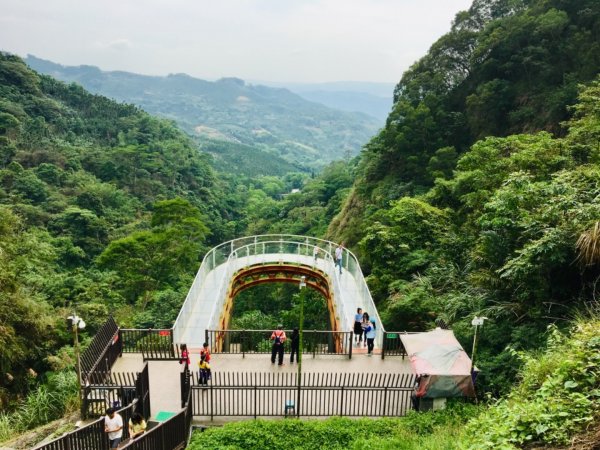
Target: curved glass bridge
[[239, 264]]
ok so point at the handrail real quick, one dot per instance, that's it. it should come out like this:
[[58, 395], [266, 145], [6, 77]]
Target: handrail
[[227, 251]]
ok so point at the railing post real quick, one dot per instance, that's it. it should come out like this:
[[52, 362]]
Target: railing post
[[384, 341], [206, 339], [255, 402], [350, 351], [385, 390], [342, 401]]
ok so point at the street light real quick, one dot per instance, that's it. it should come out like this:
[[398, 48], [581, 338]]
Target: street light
[[301, 286], [476, 322], [76, 323]]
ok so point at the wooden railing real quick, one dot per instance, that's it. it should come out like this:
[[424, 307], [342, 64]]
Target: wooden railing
[[318, 394], [259, 341]]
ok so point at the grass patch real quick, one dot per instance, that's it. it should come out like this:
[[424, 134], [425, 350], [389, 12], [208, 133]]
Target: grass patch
[[47, 402]]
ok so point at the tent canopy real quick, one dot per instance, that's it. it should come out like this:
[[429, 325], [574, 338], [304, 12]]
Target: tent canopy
[[440, 362]]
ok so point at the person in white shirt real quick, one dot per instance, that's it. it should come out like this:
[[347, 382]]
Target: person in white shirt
[[338, 256], [113, 425]]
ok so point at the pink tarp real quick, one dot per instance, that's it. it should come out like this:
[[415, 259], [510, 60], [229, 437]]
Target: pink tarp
[[441, 363]]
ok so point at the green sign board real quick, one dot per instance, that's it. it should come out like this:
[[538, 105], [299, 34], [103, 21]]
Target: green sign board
[[392, 335]]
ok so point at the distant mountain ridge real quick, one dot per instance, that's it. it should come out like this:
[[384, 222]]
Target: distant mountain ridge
[[374, 99], [274, 120]]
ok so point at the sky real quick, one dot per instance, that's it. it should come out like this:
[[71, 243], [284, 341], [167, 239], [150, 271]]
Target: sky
[[306, 41]]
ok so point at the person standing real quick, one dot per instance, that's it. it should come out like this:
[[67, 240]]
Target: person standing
[[371, 333], [278, 338], [295, 347], [315, 253], [358, 330], [365, 324], [113, 425], [204, 371], [205, 352], [185, 356], [339, 252], [137, 425]]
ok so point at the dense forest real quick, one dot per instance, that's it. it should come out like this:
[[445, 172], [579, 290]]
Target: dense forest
[[473, 197]]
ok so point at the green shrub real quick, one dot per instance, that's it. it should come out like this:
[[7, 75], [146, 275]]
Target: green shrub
[[417, 430], [558, 397], [47, 402]]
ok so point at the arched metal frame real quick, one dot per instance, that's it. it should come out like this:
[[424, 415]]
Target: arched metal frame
[[278, 273]]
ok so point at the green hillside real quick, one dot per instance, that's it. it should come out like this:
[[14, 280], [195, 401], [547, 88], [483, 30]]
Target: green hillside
[[453, 214], [103, 209], [272, 119]]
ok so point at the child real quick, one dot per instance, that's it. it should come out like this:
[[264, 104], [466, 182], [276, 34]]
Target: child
[[204, 372], [205, 351], [185, 355]]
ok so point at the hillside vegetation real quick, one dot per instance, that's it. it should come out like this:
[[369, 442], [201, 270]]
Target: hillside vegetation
[[270, 119], [103, 209], [451, 230]]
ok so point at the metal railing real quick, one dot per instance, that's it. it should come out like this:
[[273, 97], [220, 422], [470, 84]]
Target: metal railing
[[103, 351], [116, 390], [153, 344], [172, 434], [259, 341], [91, 436], [392, 344], [318, 395], [232, 254]]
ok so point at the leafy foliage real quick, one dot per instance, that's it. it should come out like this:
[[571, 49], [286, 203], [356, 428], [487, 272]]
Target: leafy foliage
[[558, 396], [414, 431]]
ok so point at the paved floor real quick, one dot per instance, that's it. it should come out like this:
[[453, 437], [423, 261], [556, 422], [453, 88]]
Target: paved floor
[[164, 375]]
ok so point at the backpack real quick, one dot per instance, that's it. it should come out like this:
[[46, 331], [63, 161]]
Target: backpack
[[277, 339]]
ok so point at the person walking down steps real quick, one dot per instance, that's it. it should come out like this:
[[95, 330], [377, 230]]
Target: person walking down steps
[[278, 338]]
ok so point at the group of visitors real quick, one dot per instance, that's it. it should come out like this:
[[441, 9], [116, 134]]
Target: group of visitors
[[278, 337], [365, 327], [113, 426], [203, 365]]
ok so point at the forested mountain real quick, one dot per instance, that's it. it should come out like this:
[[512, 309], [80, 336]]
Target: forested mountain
[[480, 196], [103, 208], [274, 120]]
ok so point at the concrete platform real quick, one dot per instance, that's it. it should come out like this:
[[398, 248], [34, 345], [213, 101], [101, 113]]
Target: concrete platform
[[165, 384]]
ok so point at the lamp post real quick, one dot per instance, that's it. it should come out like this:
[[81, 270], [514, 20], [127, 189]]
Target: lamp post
[[301, 286], [476, 322], [76, 323]]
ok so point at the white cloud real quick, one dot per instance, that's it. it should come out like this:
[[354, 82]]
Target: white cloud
[[116, 44]]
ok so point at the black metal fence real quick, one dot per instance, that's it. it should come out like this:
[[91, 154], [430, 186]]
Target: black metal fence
[[259, 341], [153, 344], [170, 435], [392, 344], [91, 436], [103, 351], [317, 395], [116, 390]]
